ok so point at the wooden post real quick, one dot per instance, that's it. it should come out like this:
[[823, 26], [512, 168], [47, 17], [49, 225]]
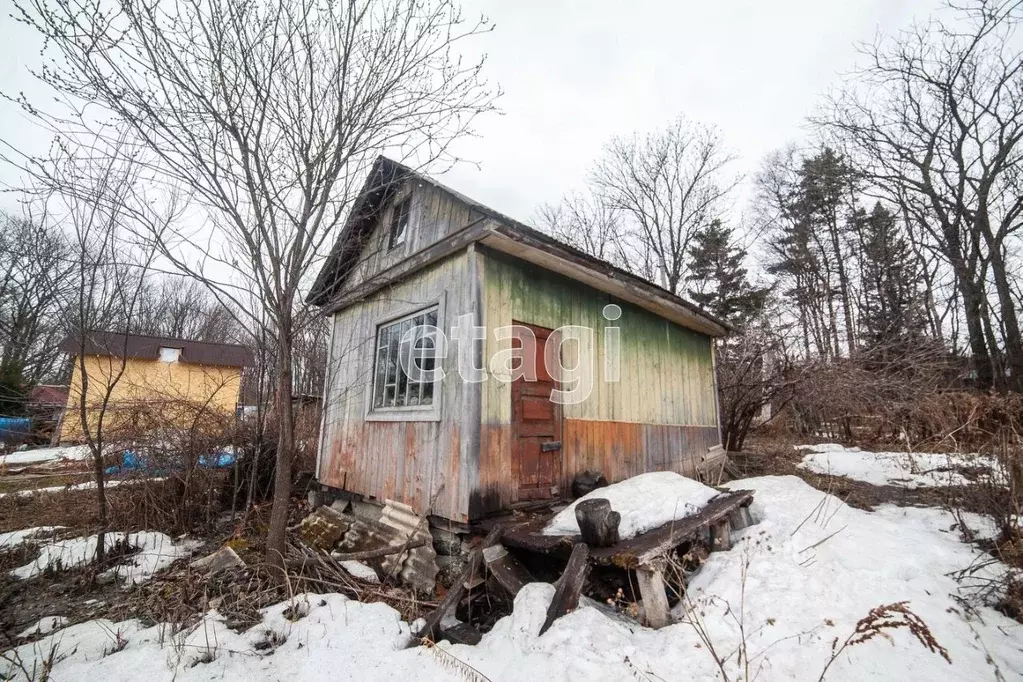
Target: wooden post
[[569, 585], [651, 589], [740, 518], [598, 524], [720, 533]]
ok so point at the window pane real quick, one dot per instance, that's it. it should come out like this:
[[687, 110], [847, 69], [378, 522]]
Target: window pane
[[392, 385], [399, 222]]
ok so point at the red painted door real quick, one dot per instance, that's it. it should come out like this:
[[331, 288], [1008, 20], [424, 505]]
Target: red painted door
[[536, 424]]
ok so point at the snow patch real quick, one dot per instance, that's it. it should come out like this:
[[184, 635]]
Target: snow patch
[[71, 453], [45, 626], [645, 502], [156, 551], [16, 538], [910, 470], [88, 485]]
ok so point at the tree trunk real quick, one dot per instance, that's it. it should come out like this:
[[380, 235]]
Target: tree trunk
[[843, 287], [101, 500], [1010, 321], [598, 523], [275, 541], [974, 312]]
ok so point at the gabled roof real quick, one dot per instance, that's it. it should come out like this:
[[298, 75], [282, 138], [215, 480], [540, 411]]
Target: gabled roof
[[504, 234], [146, 347]]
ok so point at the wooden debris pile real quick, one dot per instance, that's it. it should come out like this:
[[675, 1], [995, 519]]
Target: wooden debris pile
[[494, 560]]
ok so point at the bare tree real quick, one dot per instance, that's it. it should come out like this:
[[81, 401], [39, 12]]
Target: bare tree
[[185, 310], [667, 184], [591, 224], [757, 369], [936, 118], [93, 192], [34, 267], [269, 114]]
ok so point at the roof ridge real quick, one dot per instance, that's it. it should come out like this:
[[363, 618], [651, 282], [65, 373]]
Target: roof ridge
[[169, 338]]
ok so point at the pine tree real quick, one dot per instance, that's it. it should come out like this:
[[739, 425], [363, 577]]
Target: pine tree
[[892, 313], [718, 282]]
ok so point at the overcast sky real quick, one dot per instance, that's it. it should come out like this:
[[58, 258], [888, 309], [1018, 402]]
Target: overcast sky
[[576, 73]]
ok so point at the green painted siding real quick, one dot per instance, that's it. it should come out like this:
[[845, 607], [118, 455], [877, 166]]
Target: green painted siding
[[666, 370]]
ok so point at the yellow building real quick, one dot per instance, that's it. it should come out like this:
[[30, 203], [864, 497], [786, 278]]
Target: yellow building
[[148, 378]]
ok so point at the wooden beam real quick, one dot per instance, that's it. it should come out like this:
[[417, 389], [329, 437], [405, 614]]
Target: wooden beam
[[569, 585], [506, 569], [647, 547]]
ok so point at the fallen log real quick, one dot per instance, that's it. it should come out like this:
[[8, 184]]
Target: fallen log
[[431, 626], [569, 585], [378, 552]]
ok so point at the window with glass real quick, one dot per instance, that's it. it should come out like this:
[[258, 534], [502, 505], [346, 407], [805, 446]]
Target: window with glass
[[399, 221], [405, 359]]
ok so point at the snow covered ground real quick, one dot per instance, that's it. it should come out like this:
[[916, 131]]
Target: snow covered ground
[[45, 455], [16, 538], [156, 551], [645, 502], [910, 470], [88, 485], [793, 583]]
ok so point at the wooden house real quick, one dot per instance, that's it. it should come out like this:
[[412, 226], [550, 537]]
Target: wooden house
[[414, 253], [158, 377]]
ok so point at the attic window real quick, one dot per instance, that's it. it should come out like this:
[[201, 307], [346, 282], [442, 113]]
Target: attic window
[[169, 354], [399, 222]]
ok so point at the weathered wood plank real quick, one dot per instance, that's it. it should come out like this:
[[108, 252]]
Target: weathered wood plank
[[506, 569], [569, 586], [635, 551], [720, 536], [645, 548]]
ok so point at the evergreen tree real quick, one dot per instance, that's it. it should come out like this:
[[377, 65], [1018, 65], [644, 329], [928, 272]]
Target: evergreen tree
[[892, 311], [718, 282]]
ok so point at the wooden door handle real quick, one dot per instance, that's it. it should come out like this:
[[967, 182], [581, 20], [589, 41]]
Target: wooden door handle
[[550, 446]]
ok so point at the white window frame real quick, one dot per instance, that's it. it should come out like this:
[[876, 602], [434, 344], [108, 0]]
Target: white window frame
[[403, 412], [170, 354]]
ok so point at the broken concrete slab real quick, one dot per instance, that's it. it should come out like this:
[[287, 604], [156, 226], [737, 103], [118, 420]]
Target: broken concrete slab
[[362, 571], [324, 528], [221, 560]]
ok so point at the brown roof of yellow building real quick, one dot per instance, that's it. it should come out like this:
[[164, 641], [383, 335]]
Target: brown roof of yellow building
[[148, 348]]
